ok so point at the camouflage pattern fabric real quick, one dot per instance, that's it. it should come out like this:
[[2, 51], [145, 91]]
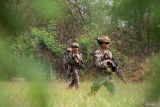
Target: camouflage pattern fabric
[[67, 67], [102, 81], [66, 57], [101, 58], [74, 78], [74, 63]]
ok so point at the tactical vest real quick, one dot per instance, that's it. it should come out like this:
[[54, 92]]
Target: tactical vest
[[103, 56]]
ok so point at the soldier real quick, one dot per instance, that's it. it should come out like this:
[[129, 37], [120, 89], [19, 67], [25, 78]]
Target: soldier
[[102, 57], [66, 58], [75, 63]]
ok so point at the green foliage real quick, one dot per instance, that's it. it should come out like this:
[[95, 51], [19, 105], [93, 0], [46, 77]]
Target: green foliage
[[49, 40], [27, 68], [20, 15], [97, 11], [122, 60], [88, 41], [130, 9], [12, 65], [24, 45], [27, 44], [48, 9], [154, 68], [155, 32], [143, 15], [33, 45], [8, 11]]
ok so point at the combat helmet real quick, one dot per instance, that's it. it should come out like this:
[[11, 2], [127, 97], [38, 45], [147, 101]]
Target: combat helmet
[[75, 45], [69, 49], [103, 39]]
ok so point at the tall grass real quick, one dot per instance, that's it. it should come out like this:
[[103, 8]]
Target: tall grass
[[57, 95], [153, 95], [31, 70]]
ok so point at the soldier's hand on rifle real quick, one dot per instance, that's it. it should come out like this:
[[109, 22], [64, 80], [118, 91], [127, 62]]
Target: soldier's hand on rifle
[[107, 62], [79, 57]]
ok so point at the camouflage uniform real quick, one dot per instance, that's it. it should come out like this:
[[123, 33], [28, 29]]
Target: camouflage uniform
[[67, 56], [75, 61], [101, 58]]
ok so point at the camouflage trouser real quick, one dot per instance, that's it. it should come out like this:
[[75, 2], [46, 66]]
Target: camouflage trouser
[[67, 75], [102, 81], [75, 79]]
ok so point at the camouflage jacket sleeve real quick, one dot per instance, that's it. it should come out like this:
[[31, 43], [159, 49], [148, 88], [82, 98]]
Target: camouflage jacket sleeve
[[64, 59], [78, 58], [67, 58], [98, 60], [75, 59], [109, 54]]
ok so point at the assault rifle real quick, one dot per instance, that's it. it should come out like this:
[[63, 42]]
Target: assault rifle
[[81, 63], [114, 67]]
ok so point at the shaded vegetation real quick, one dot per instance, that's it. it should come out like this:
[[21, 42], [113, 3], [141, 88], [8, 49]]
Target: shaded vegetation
[[35, 33]]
